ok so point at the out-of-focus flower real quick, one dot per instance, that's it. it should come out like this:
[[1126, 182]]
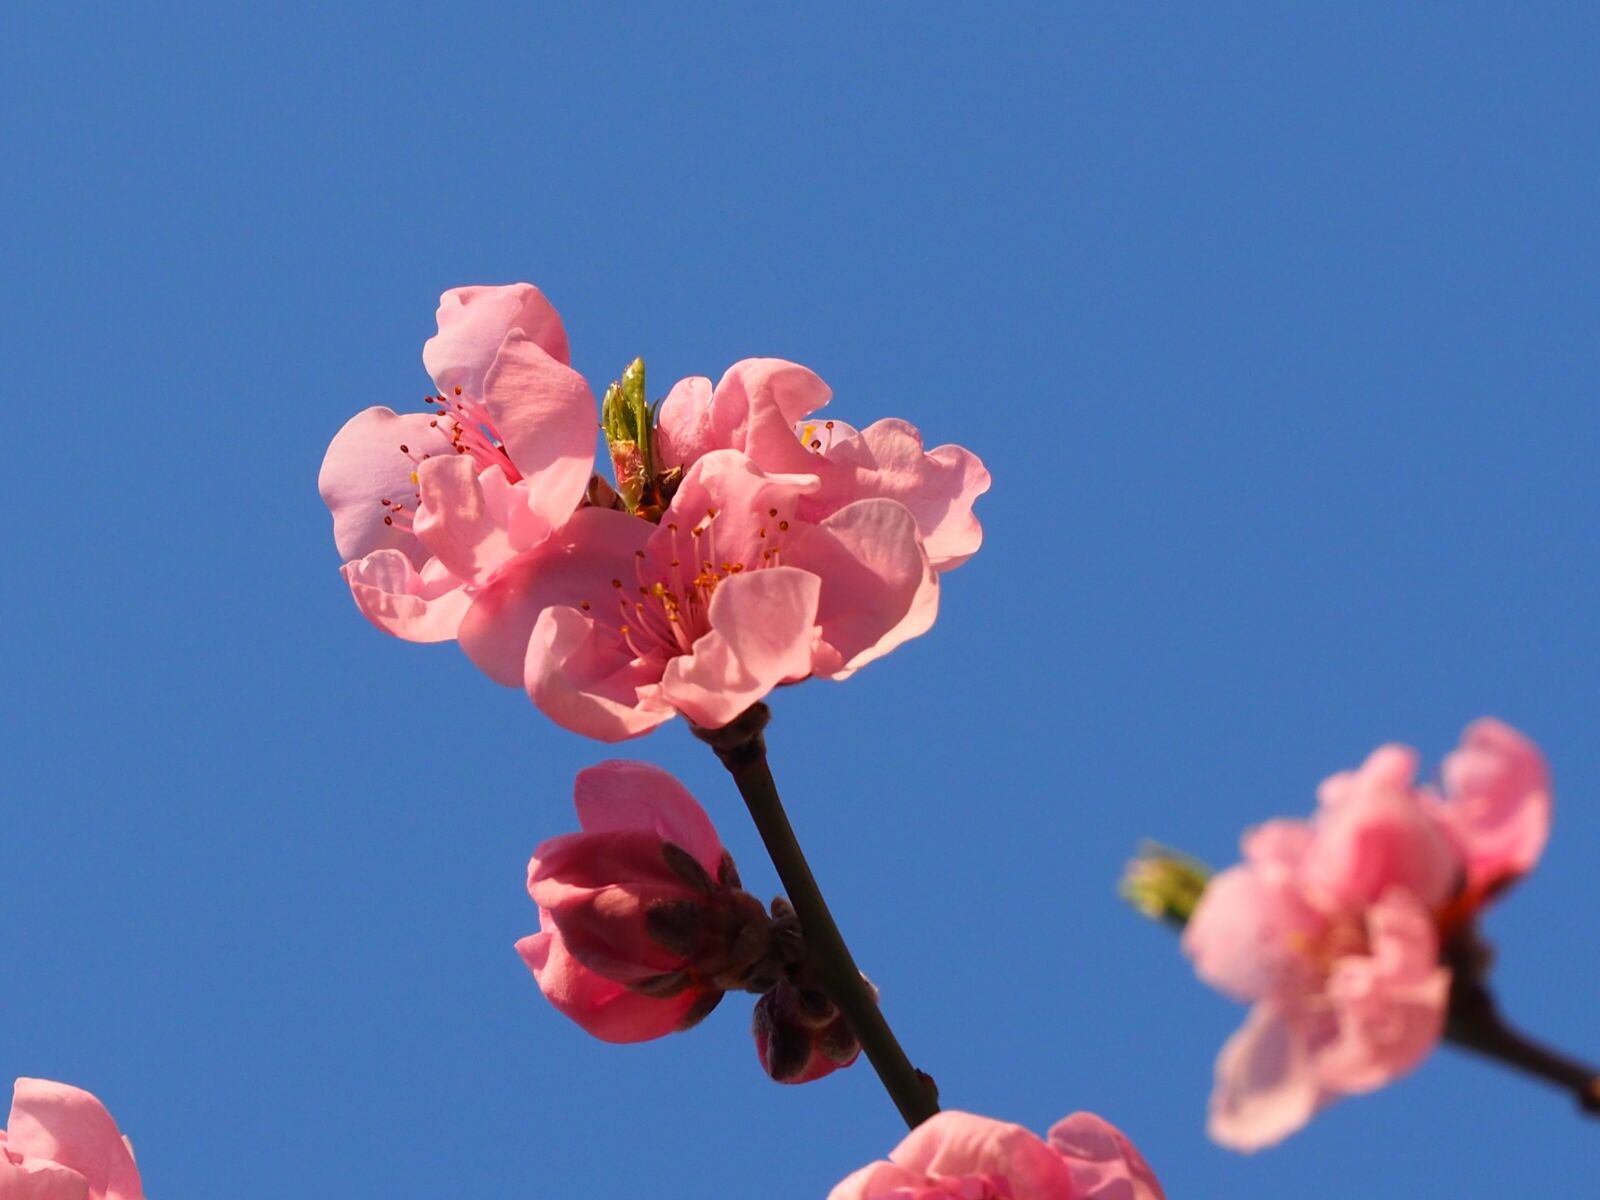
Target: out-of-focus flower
[[959, 1156], [763, 407], [428, 505], [60, 1143], [1332, 927], [643, 925], [615, 623]]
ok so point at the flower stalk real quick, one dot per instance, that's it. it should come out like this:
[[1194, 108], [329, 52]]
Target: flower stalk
[[741, 746]]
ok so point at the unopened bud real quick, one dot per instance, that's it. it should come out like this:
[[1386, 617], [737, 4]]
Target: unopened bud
[[1164, 884], [800, 1035], [628, 421]]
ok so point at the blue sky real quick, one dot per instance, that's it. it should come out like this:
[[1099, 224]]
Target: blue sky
[[1276, 329]]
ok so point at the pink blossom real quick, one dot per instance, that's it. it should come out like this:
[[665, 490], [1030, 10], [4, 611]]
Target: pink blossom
[[761, 406], [60, 1143], [642, 922], [1332, 927], [615, 624], [959, 1156], [427, 505]]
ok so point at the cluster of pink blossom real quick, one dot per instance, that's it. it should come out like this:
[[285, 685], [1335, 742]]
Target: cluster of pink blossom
[[1336, 929], [745, 545]]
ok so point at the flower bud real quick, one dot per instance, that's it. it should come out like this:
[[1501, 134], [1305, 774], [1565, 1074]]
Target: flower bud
[[1163, 884], [800, 1035]]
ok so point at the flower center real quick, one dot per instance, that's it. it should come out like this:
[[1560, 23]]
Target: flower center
[[666, 609], [466, 422]]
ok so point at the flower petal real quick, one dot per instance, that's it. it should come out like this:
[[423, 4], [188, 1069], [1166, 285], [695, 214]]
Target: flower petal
[[1105, 1165], [546, 417], [1242, 934], [605, 1009], [36, 1179], [756, 404], [463, 517], [576, 564], [683, 424], [1265, 1086], [426, 607], [626, 795], [763, 631], [959, 1144], [365, 466], [878, 589], [586, 684], [67, 1125], [473, 321], [1497, 803]]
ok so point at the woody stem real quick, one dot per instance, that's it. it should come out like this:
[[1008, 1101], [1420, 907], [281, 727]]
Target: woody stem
[[742, 748]]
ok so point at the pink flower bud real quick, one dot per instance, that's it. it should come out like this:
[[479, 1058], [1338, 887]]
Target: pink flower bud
[[643, 925], [800, 1035], [60, 1143]]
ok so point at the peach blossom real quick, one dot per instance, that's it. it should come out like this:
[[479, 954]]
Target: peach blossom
[[60, 1143]]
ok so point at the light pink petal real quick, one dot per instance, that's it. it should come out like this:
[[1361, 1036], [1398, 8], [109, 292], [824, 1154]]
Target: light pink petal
[[463, 518], [586, 683], [546, 417], [1265, 1088], [626, 795], [683, 424], [752, 507], [1389, 1002], [938, 486], [1391, 767], [365, 466], [36, 1179], [957, 1144], [763, 631], [67, 1125], [473, 321], [1497, 803], [1105, 1165], [1375, 835], [425, 607], [1243, 933], [605, 1009], [756, 404], [885, 1181], [1277, 844], [576, 564], [878, 590]]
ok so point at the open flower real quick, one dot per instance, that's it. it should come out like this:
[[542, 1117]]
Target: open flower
[[761, 406], [427, 505], [959, 1156], [614, 624], [643, 925], [60, 1143], [1332, 927]]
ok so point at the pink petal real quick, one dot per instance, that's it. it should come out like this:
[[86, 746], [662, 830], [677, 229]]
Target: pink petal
[[1497, 803], [959, 1144], [473, 321], [576, 564], [1389, 1002], [587, 684], [878, 589], [364, 466], [1376, 834], [763, 630], [885, 1181], [683, 424], [426, 607], [1105, 1165], [464, 518], [36, 1179], [626, 795], [605, 1009], [546, 417], [1265, 1085], [1243, 933], [938, 486], [67, 1125], [755, 407]]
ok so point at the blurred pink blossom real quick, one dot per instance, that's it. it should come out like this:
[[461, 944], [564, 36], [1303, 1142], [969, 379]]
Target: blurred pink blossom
[[1332, 927], [60, 1143], [959, 1156], [642, 922]]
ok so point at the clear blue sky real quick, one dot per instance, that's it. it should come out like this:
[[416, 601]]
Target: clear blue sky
[[1277, 330]]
